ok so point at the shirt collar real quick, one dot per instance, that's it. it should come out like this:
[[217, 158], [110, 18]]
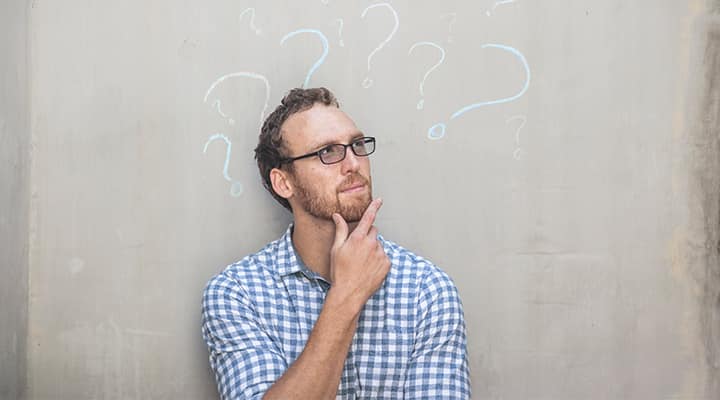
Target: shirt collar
[[289, 262]]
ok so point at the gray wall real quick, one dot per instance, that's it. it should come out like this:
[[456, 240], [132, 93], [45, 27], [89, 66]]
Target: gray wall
[[14, 197], [576, 206]]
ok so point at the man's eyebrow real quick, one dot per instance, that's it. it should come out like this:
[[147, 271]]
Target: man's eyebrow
[[318, 146]]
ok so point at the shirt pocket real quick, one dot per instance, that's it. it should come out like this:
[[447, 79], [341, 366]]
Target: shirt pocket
[[386, 365]]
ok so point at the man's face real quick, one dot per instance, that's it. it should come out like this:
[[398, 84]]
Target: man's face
[[319, 189]]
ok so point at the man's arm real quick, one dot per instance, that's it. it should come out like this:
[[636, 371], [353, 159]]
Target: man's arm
[[248, 363], [358, 266], [245, 358], [316, 373], [439, 362]]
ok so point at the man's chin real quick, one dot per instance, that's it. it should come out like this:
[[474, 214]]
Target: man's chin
[[353, 213], [352, 218]]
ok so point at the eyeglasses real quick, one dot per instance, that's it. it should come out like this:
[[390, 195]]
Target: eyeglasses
[[334, 153]]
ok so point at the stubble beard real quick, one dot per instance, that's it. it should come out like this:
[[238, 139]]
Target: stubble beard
[[351, 208]]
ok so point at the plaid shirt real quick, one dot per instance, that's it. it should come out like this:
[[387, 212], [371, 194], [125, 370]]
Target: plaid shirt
[[410, 340]]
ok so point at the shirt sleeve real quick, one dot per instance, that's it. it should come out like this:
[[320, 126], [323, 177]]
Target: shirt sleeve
[[243, 355], [439, 362]]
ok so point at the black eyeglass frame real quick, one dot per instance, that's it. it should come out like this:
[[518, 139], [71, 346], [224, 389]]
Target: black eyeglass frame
[[365, 139]]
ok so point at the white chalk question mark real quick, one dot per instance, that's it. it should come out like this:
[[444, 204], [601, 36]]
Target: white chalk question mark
[[252, 19], [322, 57], [519, 151], [421, 103], [341, 23], [498, 3], [217, 106], [452, 21], [237, 187], [437, 131], [368, 82]]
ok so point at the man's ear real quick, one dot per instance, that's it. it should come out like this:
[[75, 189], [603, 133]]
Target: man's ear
[[281, 183]]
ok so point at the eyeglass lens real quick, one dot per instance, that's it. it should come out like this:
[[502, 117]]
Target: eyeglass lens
[[336, 152]]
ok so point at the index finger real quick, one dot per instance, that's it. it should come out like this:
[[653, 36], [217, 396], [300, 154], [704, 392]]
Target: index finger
[[368, 218]]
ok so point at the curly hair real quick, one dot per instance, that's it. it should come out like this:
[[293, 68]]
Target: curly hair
[[271, 149]]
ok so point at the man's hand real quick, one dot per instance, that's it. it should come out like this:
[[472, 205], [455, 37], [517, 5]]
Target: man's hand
[[358, 266], [358, 263]]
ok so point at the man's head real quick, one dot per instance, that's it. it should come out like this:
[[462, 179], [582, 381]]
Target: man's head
[[307, 121]]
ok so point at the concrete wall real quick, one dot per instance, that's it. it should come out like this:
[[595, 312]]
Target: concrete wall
[[702, 257], [577, 214], [14, 197]]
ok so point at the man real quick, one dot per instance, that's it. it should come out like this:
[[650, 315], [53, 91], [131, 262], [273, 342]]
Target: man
[[331, 308]]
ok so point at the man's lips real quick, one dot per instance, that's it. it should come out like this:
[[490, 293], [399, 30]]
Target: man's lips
[[353, 188]]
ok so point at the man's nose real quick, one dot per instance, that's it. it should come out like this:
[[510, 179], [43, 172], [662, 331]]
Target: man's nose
[[351, 163]]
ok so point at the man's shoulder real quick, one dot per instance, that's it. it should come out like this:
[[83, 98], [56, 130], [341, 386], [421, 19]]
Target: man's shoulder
[[408, 262], [250, 271], [398, 253]]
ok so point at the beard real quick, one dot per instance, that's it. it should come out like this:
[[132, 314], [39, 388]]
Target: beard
[[351, 208]]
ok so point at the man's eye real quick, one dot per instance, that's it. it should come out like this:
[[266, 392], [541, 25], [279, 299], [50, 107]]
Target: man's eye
[[325, 150]]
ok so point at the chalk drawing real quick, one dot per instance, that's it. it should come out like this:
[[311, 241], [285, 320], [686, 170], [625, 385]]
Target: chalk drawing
[[340, 23], [518, 151], [239, 74], [498, 3], [252, 19], [236, 188], [368, 82], [437, 131], [216, 105], [421, 103], [322, 57], [453, 18]]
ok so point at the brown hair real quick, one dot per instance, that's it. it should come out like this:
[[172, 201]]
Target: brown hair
[[271, 149]]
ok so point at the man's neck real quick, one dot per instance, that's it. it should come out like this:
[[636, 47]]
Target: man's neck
[[313, 238]]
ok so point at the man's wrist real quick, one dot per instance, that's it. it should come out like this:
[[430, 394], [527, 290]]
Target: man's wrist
[[343, 305]]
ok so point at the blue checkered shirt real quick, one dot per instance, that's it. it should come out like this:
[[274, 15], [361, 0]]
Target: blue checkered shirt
[[410, 341]]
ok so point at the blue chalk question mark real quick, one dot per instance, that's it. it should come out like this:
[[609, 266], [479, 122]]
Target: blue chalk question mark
[[322, 57], [239, 74], [237, 187], [437, 131], [421, 103]]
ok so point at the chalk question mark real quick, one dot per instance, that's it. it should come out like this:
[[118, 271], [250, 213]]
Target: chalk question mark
[[224, 78], [437, 131], [421, 103], [236, 188], [368, 82], [252, 19], [452, 21], [217, 106], [322, 57], [498, 3], [518, 152], [341, 23]]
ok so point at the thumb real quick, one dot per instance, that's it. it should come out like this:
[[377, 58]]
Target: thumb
[[341, 229]]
